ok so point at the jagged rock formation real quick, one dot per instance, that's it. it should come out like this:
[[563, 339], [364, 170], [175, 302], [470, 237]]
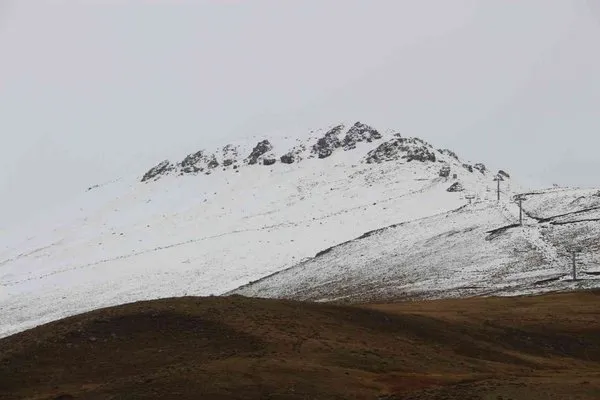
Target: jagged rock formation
[[480, 167], [409, 149], [160, 169], [449, 153], [230, 155], [198, 162], [326, 145], [359, 133], [294, 155], [288, 158], [456, 187], [393, 148], [261, 149]]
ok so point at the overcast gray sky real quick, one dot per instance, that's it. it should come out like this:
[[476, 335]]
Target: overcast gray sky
[[91, 90]]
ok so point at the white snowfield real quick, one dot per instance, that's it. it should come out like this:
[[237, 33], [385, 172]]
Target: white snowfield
[[219, 226], [455, 254]]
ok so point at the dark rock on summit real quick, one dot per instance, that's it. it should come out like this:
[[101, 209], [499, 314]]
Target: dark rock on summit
[[359, 133], [503, 174], [212, 162], [449, 153], [468, 167], [409, 149], [261, 148], [161, 169], [422, 154], [387, 151], [269, 161], [230, 155], [455, 187], [480, 167], [189, 163], [328, 143], [198, 162]]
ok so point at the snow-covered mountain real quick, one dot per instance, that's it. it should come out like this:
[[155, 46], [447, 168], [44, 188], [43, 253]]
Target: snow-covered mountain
[[220, 218], [477, 249]]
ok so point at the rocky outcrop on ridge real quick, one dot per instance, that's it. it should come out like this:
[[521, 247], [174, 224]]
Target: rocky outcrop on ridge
[[161, 169], [326, 145], [393, 148], [359, 132], [262, 148], [480, 167], [409, 149]]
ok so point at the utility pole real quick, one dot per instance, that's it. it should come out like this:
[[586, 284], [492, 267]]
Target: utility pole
[[574, 251], [498, 179], [520, 198]]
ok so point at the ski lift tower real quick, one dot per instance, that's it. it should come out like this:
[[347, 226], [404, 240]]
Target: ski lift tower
[[574, 252], [498, 179], [470, 197], [520, 198]]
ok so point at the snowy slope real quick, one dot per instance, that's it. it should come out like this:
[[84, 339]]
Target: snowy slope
[[221, 218], [561, 203], [475, 250]]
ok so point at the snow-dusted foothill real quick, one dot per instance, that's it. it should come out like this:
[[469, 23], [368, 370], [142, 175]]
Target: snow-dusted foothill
[[478, 249]]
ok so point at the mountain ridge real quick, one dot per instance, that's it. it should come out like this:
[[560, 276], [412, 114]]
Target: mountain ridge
[[317, 145]]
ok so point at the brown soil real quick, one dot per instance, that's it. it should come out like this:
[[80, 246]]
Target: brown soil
[[543, 347]]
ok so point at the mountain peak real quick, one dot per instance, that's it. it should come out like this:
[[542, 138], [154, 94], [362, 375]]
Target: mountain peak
[[362, 143]]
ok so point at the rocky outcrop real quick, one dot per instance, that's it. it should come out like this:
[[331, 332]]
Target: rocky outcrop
[[359, 133], [480, 167], [455, 187], [394, 148], [198, 162], [326, 145], [212, 162], [503, 174], [230, 155], [288, 158], [162, 168], [259, 150], [445, 171], [449, 153], [409, 149], [189, 163], [294, 155]]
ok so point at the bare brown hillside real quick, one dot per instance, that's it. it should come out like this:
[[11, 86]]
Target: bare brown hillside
[[544, 347]]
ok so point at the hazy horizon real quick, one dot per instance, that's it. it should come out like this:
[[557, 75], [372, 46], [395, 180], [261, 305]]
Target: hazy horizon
[[91, 91]]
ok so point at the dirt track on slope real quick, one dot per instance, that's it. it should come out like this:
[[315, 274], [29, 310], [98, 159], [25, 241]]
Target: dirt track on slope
[[543, 347]]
